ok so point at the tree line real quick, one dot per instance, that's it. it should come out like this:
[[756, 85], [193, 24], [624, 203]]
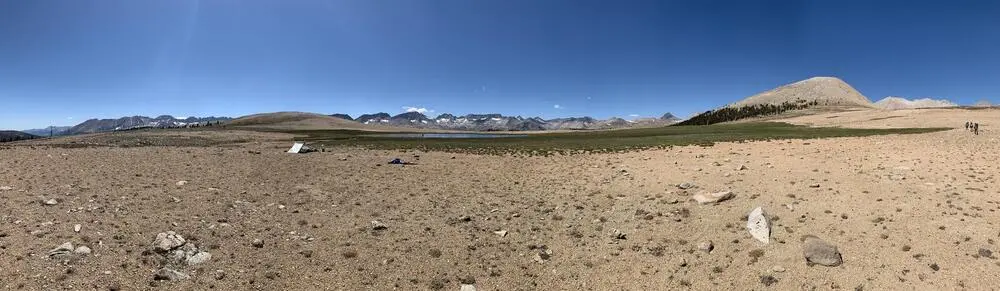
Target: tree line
[[736, 113]]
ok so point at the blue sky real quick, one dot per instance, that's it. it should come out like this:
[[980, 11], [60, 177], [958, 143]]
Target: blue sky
[[64, 61]]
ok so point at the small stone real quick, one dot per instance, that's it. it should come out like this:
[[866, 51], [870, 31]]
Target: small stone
[[820, 252], [935, 267], [167, 241], [52, 201], [182, 183], [778, 269], [6, 188], [468, 287], [673, 201], [280, 206], [706, 246], [257, 243], [618, 234], [541, 257], [175, 199], [76, 228], [759, 226], [685, 185], [166, 274], [768, 280], [61, 250], [706, 198], [82, 250], [985, 253], [198, 258], [741, 168], [814, 186], [501, 233], [464, 218], [376, 225]]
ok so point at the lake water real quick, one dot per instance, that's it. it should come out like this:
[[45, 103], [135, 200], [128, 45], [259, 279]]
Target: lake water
[[448, 135]]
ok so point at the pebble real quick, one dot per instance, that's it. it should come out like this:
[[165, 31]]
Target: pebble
[[166, 241], [182, 183], [376, 225], [52, 201], [685, 185], [618, 234], [198, 258], [76, 228], [814, 186], [169, 275], [820, 252], [706, 198], [257, 243], [82, 250], [706, 246], [741, 168], [501, 233], [6, 188], [468, 287], [759, 226], [61, 250], [778, 269]]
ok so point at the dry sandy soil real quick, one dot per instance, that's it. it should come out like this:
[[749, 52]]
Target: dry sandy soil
[[912, 212]]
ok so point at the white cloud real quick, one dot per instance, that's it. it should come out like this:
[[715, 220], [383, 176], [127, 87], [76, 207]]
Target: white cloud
[[588, 97], [69, 118], [633, 115], [557, 106], [421, 110]]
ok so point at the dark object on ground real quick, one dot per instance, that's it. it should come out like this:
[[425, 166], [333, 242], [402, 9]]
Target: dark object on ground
[[398, 161]]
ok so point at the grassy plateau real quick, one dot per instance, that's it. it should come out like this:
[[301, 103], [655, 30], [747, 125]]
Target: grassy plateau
[[595, 141]]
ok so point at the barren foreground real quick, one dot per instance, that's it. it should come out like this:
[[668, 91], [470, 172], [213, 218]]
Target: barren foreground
[[905, 211]]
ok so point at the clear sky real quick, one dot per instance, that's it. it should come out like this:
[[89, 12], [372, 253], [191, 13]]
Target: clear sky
[[63, 61]]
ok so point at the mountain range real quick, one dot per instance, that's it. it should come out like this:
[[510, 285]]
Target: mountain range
[[499, 122], [133, 122], [10, 135]]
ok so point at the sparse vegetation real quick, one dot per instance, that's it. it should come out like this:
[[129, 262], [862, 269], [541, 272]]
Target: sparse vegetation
[[726, 114], [548, 144]]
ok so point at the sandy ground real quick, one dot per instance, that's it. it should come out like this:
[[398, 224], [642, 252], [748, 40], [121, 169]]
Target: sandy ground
[[930, 117], [907, 212]]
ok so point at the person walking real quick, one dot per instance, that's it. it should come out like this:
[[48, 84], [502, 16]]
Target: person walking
[[966, 125], [976, 128]]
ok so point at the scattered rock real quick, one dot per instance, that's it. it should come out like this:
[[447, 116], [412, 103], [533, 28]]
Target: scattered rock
[[167, 241], [768, 280], [166, 274], [818, 251], [706, 198], [778, 269], [198, 258], [759, 226], [985, 253], [814, 186], [76, 228], [543, 255], [501, 233], [935, 267], [50, 202], [464, 218], [61, 250], [182, 183], [618, 234], [6, 188], [706, 246], [685, 186], [741, 168], [468, 287], [376, 225], [82, 250], [257, 243]]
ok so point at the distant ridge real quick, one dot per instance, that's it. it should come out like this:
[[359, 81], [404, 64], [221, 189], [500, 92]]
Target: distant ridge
[[893, 103], [11, 135]]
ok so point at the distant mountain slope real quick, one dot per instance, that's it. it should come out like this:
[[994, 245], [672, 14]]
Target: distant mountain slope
[[893, 103], [342, 116], [10, 135], [55, 130], [302, 121], [131, 122], [823, 90]]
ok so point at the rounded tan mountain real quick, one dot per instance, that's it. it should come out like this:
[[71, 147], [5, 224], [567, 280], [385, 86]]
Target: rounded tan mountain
[[828, 91]]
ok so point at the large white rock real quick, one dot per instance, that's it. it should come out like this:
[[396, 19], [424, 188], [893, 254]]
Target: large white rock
[[758, 225], [706, 198], [818, 251], [468, 287], [168, 241], [199, 258]]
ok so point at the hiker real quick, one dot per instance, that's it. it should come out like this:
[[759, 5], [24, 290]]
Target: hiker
[[966, 125], [975, 128]]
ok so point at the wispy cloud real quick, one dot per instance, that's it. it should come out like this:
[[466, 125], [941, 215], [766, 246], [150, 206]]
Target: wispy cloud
[[420, 110], [557, 106], [69, 118], [633, 115]]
